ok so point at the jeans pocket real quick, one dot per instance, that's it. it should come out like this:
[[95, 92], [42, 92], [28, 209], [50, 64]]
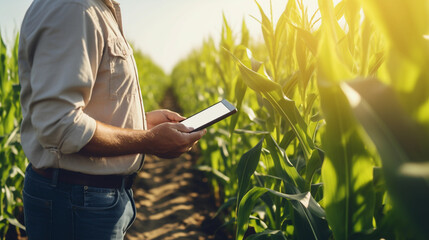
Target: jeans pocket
[[95, 198], [37, 216], [102, 214]]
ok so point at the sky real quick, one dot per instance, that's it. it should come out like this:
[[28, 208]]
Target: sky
[[167, 30]]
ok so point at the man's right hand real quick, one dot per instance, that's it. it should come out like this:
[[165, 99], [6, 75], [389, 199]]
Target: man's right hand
[[170, 140]]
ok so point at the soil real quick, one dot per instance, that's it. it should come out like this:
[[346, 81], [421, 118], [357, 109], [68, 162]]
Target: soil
[[172, 201]]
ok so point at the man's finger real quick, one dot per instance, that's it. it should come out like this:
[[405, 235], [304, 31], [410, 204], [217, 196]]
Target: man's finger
[[175, 117], [182, 128], [195, 136]]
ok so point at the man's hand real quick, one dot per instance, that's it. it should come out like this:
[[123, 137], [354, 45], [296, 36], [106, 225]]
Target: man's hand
[[157, 117], [170, 140]]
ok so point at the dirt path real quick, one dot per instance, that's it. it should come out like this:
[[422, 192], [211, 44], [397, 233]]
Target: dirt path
[[173, 200]]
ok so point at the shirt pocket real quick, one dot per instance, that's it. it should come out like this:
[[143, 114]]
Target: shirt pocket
[[122, 73]]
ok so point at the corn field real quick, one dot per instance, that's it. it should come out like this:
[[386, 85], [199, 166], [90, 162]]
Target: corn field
[[329, 142], [12, 158], [331, 136]]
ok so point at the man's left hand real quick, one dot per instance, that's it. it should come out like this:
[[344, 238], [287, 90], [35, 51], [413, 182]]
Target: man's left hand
[[161, 116]]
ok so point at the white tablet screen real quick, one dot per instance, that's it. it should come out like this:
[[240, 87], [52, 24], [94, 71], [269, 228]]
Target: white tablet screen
[[206, 116]]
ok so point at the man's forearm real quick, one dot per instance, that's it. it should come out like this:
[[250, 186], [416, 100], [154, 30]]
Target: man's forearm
[[109, 141]]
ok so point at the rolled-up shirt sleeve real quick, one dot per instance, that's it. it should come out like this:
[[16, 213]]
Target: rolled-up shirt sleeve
[[66, 52]]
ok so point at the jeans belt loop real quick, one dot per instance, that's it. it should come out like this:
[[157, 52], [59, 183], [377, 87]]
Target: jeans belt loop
[[54, 181], [123, 184]]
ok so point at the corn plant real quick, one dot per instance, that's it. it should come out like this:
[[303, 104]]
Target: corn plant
[[153, 81], [12, 158]]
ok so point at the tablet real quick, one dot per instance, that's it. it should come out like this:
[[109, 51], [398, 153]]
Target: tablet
[[210, 115]]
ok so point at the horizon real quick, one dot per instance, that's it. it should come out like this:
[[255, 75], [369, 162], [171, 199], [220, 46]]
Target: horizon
[[179, 28]]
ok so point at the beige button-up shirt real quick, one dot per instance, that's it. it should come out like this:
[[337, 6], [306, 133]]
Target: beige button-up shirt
[[75, 67]]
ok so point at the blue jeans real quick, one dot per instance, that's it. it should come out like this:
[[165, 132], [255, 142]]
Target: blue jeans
[[54, 210]]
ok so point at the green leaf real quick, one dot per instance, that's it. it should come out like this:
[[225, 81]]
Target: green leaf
[[402, 146], [288, 137], [245, 208], [310, 222], [375, 63], [288, 111], [9, 122], [244, 34], [240, 91], [290, 83], [227, 40], [283, 168], [330, 66], [15, 222], [255, 80], [314, 164], [366, 32], [245, 169], [339, 10], [311, 216], [268, 34], [10, 201], [308, 38], [292, 12], [352, 17], [347, 167]]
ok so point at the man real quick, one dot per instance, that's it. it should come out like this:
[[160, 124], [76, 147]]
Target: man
[[84, 129]]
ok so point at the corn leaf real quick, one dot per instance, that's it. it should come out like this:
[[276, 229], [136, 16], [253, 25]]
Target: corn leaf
[[283, 169], [268, 34], [245, 209], [347, 168], [314, 164], [15, 222], [309, 217], [245, 169], [244, 34], [402, 147]]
